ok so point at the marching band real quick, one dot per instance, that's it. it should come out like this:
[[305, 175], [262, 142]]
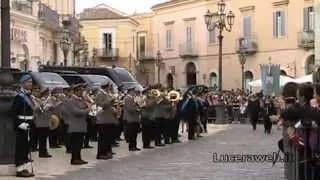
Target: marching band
[[80, 115]]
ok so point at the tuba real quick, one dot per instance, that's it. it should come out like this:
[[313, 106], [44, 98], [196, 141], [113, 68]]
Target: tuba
[[155, 93]]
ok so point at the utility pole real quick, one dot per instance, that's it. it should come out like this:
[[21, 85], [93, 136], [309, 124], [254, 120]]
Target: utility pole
[[7, 142], [5, 34]]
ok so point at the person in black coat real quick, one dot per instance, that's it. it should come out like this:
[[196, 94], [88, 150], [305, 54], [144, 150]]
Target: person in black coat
[[189, 111], [253, 110], [22, 110], [268, 110]]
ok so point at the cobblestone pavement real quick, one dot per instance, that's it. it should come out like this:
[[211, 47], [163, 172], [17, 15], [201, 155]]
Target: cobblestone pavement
[[192, 160]]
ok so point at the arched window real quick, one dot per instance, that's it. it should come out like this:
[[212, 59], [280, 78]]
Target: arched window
[[170, 81], [310, 64], [213, 80], [191, 73], [248, 77]]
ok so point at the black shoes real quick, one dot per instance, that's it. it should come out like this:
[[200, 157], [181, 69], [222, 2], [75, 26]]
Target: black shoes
[[148, 147], [25, 174], [104, 157], [160, 144], [55, 147], [134, 149], [78, 162], [176, 141], [87, 147], [44, 155]]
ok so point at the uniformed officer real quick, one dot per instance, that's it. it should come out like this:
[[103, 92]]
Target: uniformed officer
[[55, 133], [131, 116], [76, 111], [42, 115], [106, 124], [147, 120], [22, 109]]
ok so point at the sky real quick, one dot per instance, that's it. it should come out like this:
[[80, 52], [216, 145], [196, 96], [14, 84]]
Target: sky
[[126, 6]]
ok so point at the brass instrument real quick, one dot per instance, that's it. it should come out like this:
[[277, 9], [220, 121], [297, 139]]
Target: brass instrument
[[155, 93], [173, 96], [54, 122]]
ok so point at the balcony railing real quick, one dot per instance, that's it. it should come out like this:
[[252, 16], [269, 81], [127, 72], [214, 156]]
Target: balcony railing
[[23, 6], [107, 53], [188, 50], [72, 23], [146, 55], [49, 17], [247, 45], [306, 39]]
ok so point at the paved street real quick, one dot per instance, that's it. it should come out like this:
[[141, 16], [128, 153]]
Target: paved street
[[190, 160]]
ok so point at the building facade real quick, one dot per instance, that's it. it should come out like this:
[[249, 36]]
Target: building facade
[[317, 32], [36, 30], [110, 35], [273, 31]]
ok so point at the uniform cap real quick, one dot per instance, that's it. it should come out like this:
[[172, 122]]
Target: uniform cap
[[25, 78]]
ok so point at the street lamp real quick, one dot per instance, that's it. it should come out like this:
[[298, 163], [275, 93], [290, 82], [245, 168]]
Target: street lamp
[[242, 60], [65, 45], [85, 51], [159, 62], [221, 21]]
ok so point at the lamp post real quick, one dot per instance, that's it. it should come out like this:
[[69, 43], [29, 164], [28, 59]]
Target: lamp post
[[242, 60], [220, 21], [65, 46], [159, 61], [85, 46]]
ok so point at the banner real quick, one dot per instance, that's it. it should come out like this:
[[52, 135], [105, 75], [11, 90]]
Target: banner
[[270, 78]]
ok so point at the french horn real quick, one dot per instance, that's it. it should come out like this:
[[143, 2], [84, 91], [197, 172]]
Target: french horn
[[173, 96], [155, 93]]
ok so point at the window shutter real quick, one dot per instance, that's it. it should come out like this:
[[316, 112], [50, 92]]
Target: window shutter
[[305, 19], [283, 23], [247, 26], [275, 24]]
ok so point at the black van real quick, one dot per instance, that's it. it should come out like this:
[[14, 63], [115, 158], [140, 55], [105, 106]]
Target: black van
[[120, 76]]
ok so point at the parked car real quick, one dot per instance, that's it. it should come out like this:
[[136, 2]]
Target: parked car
[[48, 80], [120, 76], [93, 81]]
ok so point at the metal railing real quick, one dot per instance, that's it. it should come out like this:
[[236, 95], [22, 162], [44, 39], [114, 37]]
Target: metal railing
[[22, 6], [107, 53], [49, 17], [306, 39], [146, 55], [188, 50], [247, 45], [301, 152]]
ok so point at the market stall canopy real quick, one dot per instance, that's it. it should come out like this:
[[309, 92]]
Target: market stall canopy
[[283, 80], [304, 79]]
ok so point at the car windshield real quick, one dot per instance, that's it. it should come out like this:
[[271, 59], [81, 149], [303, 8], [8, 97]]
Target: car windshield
[[51, 80], [96, 80], [124, 75]]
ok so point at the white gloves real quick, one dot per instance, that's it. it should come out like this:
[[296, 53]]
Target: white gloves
[[24, 126]]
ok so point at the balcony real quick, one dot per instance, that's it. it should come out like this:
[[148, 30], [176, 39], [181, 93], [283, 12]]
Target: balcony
[[107, 53], [188, 50], [49, 17], [23, 6], [306, 39], [146, 55], [247, 45], [73, 26]]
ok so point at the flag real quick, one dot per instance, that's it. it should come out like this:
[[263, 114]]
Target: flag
[[270, 78]]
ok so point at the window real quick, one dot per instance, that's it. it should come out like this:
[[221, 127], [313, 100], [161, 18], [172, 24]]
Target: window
[[212, 37], [308, 19], [169, 39], [142, 46], [247, 26], [189, 37], [107, 38], [279, 24]]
